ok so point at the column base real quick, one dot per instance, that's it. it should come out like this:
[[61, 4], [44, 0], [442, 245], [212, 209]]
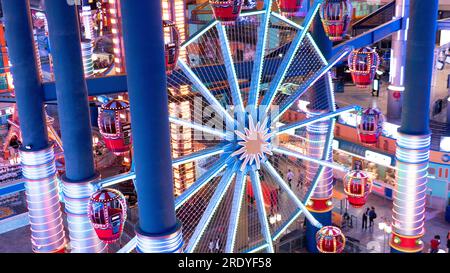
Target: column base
[[325, 219], [83, 238], [320, 205], [406, 244], [170, 242], [44, 208]]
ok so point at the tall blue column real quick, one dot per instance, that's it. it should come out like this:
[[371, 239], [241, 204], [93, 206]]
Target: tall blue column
[[158, 230], [73, 110], [413, 143], [398, 58], [37, 157], [320, 204]]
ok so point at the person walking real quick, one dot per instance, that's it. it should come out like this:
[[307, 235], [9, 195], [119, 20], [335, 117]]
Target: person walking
[[365, 217], [218, 245], [290, 177], [300, 182], [211, 246], [372, 216], [434, 244]]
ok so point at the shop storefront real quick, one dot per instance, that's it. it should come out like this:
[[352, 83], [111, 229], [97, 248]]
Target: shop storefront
[[379, 165]]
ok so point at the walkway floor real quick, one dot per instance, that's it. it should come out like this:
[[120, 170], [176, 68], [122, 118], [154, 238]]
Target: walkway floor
[[375, 240]]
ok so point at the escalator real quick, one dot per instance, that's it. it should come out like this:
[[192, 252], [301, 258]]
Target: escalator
[[375, 19]]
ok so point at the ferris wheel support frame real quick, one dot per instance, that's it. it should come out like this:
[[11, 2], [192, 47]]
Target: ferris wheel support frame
[[238, 196], [226, 161], [222, 187], [288, 58], [255, 85]]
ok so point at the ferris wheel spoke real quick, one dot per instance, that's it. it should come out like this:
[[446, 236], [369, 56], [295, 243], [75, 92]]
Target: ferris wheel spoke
[[288, 152], [205, 153], [202, 181], [324, 117], [289, 57], [214, 203], [259, 198], [206, 93], [269, 168], [280, 231], [198, 126], [239, 190], [259, 57], [312, 80], [229, 67]]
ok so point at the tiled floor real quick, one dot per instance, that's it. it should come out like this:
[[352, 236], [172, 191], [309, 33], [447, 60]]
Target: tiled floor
[[374, 239]]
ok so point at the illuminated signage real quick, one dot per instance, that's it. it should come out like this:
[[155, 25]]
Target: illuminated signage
[[378, 158]]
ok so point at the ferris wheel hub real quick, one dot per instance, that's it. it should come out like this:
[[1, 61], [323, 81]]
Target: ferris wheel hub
[[255, 144]]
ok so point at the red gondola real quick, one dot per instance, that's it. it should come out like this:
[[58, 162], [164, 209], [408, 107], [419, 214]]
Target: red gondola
[[363, 64], [330, 239], [370, 126], [114, 122], [172, 45], [107, 210], [336, 16], [357, 186], [226, 11], [289, 7]]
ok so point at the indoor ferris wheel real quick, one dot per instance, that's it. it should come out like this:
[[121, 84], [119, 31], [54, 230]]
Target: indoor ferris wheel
[[244, 100]]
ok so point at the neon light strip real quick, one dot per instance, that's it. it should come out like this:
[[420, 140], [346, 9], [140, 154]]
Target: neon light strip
[[319, 118], [238, 195], [324, 163], [291, 194], [287, 60], [256, 249], [214, 203], [308, 84], [255, 85], [198, 126], [204, 91], [229, 67], [201, 182], [198, 155], [257, 190], [110, 181], [199, 34]]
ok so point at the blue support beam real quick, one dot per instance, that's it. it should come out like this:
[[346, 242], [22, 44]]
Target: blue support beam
[[147, 88], [71, 90], [419, 69], [372, 36], [27, 82]]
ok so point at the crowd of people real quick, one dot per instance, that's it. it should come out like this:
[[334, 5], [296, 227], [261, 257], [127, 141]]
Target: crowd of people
[[435, 244]]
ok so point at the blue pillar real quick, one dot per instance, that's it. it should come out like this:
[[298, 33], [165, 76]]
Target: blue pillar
[[158, 230], [37, 157], [73, 110], [413, 143], [316, 135]]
